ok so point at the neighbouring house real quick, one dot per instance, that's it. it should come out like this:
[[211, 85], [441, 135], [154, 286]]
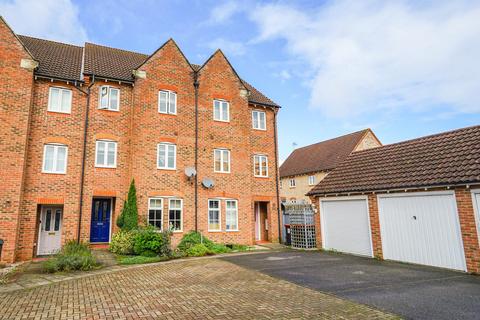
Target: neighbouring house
[[416, 201], [80, 122], [307, 166]]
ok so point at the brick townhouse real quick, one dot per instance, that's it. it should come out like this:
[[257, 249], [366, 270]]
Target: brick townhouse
[[79, 123]]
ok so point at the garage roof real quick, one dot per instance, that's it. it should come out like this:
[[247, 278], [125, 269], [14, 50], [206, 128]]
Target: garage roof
[[449, 158]]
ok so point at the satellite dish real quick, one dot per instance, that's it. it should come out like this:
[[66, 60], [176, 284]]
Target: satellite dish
[[208, 183], [190, 172]]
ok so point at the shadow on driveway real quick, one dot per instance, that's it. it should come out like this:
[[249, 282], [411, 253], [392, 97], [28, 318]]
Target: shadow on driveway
[[412, 291]]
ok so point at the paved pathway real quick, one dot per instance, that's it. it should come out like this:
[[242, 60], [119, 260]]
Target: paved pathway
[[190, 289]]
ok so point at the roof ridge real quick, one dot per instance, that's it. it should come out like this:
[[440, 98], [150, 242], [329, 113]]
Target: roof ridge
[[48, 40], [339, 137], [118, 49]]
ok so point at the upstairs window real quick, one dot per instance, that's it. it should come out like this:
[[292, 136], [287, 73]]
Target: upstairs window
[[55, 158], [221, 160], [221, 110], [175, 214], [259, 120], [106, 154], [167, 102], [311, 180], [260, 165], [166, 156], [109, 98], [293, 183], [60, 100], [155, 207]]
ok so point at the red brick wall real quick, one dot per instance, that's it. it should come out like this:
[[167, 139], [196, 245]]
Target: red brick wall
[[15, 102], [375, 226]]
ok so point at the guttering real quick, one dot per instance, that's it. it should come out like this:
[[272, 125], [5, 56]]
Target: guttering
[[276, 174], [404, 189], [84, 155], [196, 84]]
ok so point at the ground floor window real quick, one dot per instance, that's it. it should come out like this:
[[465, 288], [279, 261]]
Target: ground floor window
[[155, 206], [231, 215], [214, 215], [175, 214]]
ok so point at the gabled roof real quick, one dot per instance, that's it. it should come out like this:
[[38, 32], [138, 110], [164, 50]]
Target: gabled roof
[[450, 158], [321, 156], [65, 61], [55, 59]]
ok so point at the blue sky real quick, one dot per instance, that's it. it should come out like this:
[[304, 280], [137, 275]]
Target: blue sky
[[403, 68]]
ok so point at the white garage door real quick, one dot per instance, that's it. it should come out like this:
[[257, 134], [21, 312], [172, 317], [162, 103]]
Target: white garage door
[[346, 226], [422, 228]]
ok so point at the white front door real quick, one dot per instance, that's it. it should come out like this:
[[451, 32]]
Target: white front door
[[50, 230], [421, 228]]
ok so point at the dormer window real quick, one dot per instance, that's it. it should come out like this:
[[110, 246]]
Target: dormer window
[[109, 98], [167, 102]]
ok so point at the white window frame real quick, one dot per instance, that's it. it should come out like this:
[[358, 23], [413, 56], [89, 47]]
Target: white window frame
[[222, 169], [55, 154], [169, 109], [222, 104], [181, 214], [260, 156], [259, 125], [161, 209], [105, 162], [236, 215], [476, 212], [167, 145], [219, 215], [61, 92], [294, 184], [311, 180], [109, 106]]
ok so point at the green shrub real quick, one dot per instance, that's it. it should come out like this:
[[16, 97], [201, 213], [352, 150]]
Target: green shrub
[[218, 248], [122, 242], [73, 256], [121, 217], [126, 260], [191, 239], [198, 250], [149, 242], [239, 247], [128, 219]]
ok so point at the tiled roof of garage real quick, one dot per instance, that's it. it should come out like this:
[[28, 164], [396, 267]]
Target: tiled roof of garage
[[68, 62], [450, 158]]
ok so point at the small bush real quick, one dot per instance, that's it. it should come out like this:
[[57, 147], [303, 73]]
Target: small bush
[[239, 247], [149, 242], [218, 248], [191, 239], [123, 242], [198, 250], [126, 260], [73, 256]]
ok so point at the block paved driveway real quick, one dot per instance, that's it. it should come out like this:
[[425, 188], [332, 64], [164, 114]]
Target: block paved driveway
[[190, 289], [414, 292]]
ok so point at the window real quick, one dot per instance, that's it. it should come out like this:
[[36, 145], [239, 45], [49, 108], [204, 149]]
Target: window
[[311, 180], [260, 163], [293, 183], [55, 158], [281, 184], [221, 160], [166, 156], [109, 98], [175, 214], [259, 120], [60, 100], [231, 215], [221, 110], [155, 207], [167, 102], [214, 215], [106, 154]]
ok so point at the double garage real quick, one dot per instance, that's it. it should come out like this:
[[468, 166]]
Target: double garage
[[418, 227]]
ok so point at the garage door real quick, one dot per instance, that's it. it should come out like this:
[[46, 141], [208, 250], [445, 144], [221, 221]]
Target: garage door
[[422, 228], [345, 226]]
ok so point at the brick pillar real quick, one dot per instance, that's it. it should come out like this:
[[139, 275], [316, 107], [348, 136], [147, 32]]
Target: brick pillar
[[318, 229], [375, 226], [468, 227]]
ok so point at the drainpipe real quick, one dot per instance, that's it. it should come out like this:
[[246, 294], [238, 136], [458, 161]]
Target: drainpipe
[[84, 155], [196, 85], [276, 175]]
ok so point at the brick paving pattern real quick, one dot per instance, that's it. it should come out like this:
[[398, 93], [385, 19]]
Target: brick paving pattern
[[195, 289]]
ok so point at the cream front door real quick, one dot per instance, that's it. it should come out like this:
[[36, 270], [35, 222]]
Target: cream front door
[[50, 230]]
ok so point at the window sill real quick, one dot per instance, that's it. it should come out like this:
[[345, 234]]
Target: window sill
[[109, 111], [221, 121], [215, 231], [105, 167], [49, 172], [232, 230], [262, 177], [167, 114], [58, 112], [222, 172], [262, 130], [167, 169]]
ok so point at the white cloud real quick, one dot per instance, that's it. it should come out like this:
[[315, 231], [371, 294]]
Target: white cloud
[[375, 55], [51, 19], [223, 12], [233, 48]]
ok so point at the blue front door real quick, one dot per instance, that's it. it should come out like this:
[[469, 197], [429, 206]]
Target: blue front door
[[100, 225]]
